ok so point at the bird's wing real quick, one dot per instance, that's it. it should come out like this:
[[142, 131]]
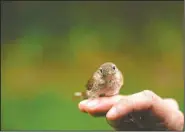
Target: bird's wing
[[90, 84]]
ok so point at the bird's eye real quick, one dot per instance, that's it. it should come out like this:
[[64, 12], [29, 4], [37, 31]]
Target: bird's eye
[[114, 67], [101, 70]]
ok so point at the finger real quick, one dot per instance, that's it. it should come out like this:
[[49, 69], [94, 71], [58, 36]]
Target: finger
[[82, 104], [99, 105], [172, 103], [138, 101], [172, 118], [168, 111]]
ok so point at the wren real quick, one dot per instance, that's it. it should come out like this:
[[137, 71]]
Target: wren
[[106, 81]]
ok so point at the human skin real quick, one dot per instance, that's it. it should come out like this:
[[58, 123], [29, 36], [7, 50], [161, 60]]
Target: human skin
[[117, 107]]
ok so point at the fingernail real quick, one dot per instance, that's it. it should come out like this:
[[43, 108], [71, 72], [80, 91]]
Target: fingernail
[[92, 103], [83, 102], [112, 113]]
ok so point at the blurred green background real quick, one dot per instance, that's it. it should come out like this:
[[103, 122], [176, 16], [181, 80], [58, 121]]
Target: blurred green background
[[50, 49]]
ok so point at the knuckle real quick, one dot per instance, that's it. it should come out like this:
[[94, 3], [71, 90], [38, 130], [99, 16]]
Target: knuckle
[[148, 92], [126, 101], [150, 95]]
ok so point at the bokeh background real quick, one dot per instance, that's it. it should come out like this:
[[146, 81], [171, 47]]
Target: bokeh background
[[50, 49]]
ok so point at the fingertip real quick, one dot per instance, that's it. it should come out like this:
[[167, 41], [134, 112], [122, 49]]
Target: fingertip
[[112, 114], [82, 104], [100, 105], [88, 106], [92, 105]]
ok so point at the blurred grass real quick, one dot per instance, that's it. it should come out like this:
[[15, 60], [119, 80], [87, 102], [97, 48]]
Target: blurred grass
[[49, 114], [49, 52]]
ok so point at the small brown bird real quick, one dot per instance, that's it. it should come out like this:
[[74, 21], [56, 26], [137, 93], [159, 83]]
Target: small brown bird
[[106, 81]]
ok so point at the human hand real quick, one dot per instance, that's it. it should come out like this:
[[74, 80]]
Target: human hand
[[150, 111]]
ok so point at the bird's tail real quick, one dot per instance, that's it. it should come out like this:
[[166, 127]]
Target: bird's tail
[[81, 95]]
